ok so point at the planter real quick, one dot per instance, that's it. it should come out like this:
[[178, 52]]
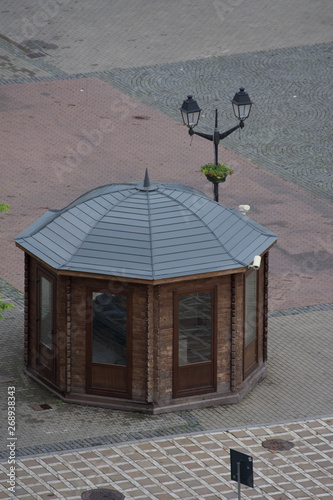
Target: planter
[[215, 180], [216, 173]]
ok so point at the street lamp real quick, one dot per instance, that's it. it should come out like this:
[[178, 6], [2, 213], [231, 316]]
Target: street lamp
[[190, 112]]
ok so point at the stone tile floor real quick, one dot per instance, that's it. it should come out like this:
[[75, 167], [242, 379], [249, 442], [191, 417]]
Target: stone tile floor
[[195, 466]]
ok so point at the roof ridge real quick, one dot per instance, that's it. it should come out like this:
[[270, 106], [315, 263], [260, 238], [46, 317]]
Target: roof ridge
[[151, 235], [252, 222]]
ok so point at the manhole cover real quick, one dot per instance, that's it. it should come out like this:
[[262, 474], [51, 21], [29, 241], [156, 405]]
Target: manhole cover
[[44, 406], [102, 494], [277, 444]]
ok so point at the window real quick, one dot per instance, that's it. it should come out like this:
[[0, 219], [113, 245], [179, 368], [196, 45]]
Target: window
[[250, 323], [46, 312], [109, 339], [250, 308], [194, 328], [46, 325]]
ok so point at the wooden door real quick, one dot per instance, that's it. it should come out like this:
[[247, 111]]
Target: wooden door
[[250, 322], [45, 320], [109, 344], [194, 343]]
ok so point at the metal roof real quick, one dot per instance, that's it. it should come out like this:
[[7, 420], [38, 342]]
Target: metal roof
[[148, 231]]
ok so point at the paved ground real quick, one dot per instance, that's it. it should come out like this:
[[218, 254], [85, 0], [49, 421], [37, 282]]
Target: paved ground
[[124, 69], [298, 385], [196, 466], [64, 137], [282, 55]]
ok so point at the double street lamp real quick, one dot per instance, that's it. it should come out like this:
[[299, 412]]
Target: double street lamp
[[190, 112]]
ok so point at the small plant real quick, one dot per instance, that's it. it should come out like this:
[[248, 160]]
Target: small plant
[[4, 207], [4, 307], [216, 173]]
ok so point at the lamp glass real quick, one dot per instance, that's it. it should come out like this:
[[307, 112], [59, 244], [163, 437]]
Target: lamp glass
[[191, 118], [241, 111]]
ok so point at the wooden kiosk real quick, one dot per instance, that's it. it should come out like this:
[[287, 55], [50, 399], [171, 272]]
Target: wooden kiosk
[[142, 297]]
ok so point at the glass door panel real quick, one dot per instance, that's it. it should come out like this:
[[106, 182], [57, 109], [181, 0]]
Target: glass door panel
[[108, 354], [194, 343], [109, 329], [195, 328]]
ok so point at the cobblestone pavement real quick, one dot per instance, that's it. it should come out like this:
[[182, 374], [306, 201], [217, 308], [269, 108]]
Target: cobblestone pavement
[[195, 466], [16, 68], [283, 57], [291, 89]]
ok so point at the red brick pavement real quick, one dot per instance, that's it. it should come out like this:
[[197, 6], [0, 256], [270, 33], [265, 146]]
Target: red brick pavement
[[62, 138]]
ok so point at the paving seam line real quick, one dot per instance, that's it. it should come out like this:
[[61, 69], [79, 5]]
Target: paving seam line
[[56, 452]]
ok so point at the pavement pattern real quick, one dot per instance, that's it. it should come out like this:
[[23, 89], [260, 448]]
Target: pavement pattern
[[195, 466], [285, 62], [60, 63]]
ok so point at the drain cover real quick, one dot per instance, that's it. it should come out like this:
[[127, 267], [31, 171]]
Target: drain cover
[[277, 444], [102, 494], [44, 406]]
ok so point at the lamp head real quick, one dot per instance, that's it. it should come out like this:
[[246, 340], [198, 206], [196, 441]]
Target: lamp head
[[241, 104], [190, 112]]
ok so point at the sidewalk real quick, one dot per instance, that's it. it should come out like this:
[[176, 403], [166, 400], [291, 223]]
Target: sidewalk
[[298, 386], [195, 466]]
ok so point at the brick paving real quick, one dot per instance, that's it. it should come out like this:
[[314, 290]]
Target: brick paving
[[144, 61]]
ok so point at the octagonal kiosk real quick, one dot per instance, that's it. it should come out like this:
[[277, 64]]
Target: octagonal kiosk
[[142, 297]]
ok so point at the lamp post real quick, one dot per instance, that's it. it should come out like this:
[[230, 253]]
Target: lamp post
[[190, 112]]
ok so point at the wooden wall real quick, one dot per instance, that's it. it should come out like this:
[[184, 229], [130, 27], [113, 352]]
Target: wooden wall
[[152, 330]]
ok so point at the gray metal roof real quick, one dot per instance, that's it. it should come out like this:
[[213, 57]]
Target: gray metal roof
[[147, 231]]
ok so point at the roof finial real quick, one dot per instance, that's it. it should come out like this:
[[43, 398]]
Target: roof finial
[[146, 182]]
